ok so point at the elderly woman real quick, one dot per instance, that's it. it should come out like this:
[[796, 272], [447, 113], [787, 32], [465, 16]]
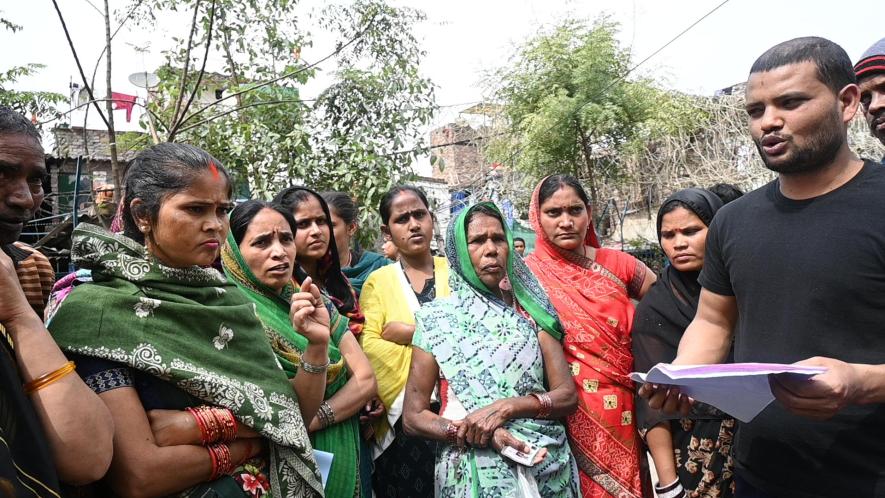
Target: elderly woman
[[691, 453], [160, 329], [592, 289], [494, 348], [259, 258]]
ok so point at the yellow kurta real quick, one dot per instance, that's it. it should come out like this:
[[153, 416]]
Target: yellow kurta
[[382, 301]]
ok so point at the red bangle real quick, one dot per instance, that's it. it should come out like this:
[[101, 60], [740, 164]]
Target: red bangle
[[221, 462], [546, 404], [226, 423], [204, 435], [214, 463]]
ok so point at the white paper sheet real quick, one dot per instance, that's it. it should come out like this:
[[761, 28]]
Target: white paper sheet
[[324, 463], [738, 389]]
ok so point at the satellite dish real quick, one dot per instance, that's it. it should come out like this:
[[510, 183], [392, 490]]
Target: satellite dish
[[144, 79]]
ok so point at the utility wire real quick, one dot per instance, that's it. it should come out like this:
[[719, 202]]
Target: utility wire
[[585, 104]]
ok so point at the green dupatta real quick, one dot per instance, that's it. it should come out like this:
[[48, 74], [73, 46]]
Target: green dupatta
[[193, 329], [358, 273], [487, 350], [341, 439], [526, 288]]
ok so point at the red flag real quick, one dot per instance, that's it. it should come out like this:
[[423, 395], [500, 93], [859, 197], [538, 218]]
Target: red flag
[[123, 101]]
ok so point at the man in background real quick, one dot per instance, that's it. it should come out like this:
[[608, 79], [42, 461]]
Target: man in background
[[519, 245], [870, 71]]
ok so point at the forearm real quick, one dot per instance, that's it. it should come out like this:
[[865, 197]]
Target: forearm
[[147, 474], [427, 425], [708, 337], [873, 383], [660, 444], [77, 423], [142, 475], [398, 335], [563, 401], [311, 387], [704, 342], [349, 400]]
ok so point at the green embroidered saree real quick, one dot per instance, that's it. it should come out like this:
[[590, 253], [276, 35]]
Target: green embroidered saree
[[487, 350], [191, 328], [341, 439]]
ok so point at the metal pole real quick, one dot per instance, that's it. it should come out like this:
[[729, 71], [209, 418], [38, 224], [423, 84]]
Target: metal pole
[[76, 200]]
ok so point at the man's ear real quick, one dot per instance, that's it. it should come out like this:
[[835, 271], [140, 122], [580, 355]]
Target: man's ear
[[849, 102]]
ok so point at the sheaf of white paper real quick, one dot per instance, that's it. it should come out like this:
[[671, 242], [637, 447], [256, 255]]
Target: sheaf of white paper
[[741, 394]]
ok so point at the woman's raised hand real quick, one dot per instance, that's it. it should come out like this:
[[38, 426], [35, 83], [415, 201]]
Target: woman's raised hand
[[309, 314]]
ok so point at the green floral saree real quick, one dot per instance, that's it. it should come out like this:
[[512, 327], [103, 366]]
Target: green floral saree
[[487, 350]]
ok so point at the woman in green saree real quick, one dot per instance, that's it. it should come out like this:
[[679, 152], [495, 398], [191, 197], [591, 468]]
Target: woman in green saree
[[158, 331], [259, 257], [493, 348]]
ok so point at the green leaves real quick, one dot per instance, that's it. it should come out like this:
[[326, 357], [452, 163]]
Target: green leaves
[[43, 105], [571, 105], [360, 135]]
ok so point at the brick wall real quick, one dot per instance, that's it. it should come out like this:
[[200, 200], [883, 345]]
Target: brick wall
[[462, 164]]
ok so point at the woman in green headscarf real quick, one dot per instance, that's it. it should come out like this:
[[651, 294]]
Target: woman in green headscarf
[[159, 331], [259, 257], [494, 348]]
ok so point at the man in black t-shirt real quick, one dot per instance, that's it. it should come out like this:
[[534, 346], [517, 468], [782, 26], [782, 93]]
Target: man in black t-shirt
[[801, 261]]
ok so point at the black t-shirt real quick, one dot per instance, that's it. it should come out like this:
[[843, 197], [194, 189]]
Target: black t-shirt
[[809, 280]]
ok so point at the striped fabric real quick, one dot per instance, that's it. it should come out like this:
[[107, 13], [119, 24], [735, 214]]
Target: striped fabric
[[35, 274]]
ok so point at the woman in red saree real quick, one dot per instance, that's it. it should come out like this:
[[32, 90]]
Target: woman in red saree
[[591, 288]]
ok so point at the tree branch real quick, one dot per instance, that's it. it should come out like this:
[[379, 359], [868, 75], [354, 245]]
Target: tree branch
[[286, 75], [77, 60], [254, 104], [105, 48], [177, 124], [187, 62], [85, 104]]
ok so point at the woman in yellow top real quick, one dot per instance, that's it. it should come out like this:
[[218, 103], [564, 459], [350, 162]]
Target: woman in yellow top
[[389, 299]]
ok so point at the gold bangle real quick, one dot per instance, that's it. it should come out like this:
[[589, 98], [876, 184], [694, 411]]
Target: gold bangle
[[46, 379]]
